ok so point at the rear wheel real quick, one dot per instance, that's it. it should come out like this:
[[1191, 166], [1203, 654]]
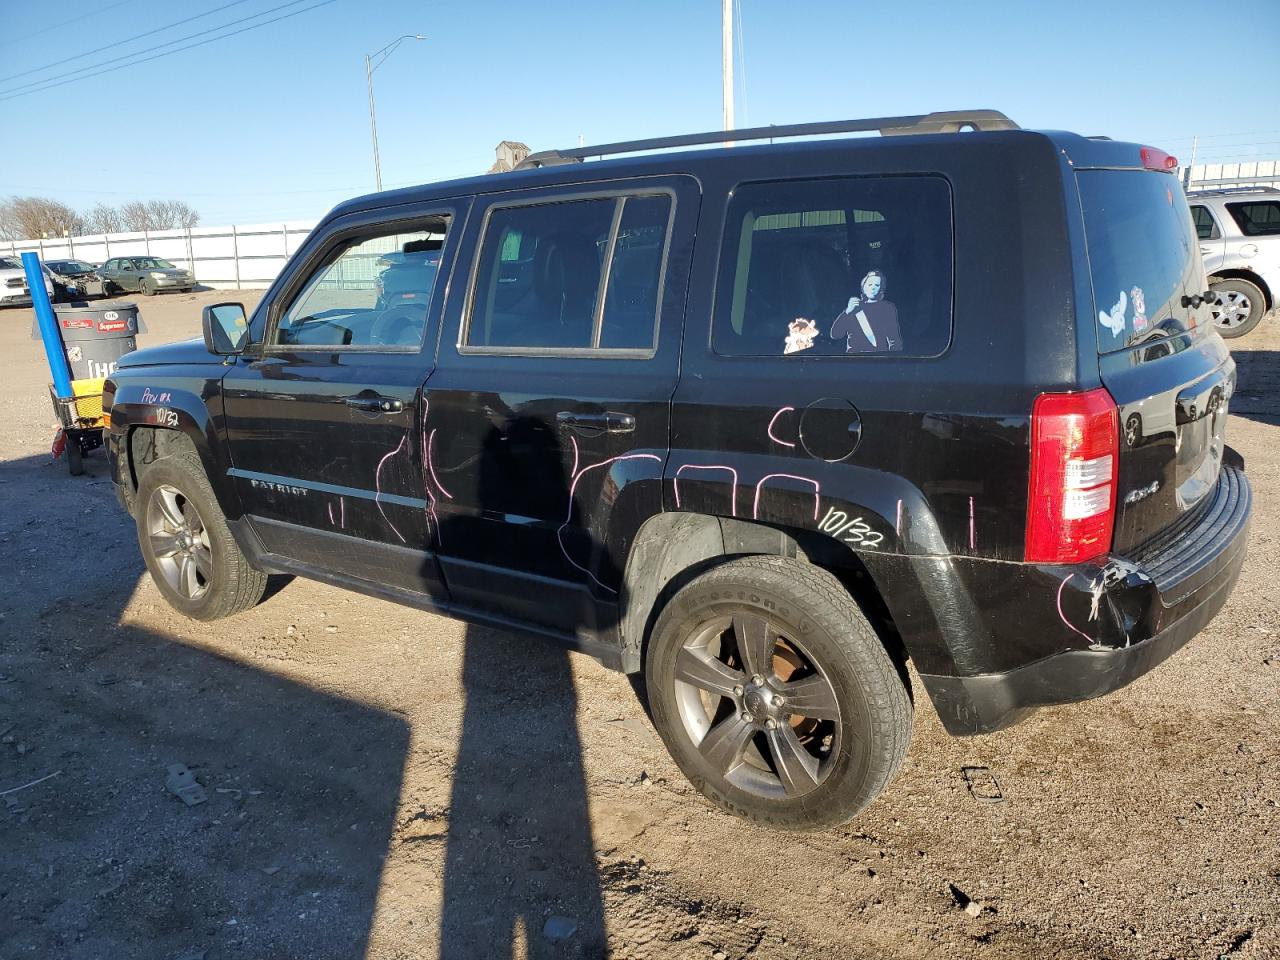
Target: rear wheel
[[775, 696], [1238, 306], [193, 559], [107, 288]]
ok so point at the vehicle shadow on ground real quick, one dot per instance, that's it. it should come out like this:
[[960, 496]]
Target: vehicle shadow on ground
[[1257, 395], [520, 874], [283, 859]]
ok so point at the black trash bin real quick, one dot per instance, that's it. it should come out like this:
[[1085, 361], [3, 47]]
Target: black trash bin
[[97, 334]]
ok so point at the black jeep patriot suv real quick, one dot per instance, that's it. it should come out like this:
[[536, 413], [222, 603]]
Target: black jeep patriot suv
[[762, 423]]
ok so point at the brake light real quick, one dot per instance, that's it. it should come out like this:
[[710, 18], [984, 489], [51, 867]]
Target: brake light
[[1075, 447], [1154, 159]]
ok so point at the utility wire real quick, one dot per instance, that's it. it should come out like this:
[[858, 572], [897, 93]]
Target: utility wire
[[114, 63], [88, 53], [63, 23]]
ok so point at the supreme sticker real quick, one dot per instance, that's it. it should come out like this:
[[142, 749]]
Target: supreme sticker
[[111, 326]]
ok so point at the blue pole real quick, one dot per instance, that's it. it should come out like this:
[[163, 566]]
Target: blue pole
[[48, 325]]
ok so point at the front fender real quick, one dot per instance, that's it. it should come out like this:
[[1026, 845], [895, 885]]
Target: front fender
[[190, 406]]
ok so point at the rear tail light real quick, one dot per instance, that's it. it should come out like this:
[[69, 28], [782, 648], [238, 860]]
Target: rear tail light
[[1075, 446], [1154, 159]]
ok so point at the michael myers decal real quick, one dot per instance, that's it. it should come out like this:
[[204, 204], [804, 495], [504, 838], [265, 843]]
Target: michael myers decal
[[869, 323]]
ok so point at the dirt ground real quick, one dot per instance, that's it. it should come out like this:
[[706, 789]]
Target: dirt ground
[[384, 783]]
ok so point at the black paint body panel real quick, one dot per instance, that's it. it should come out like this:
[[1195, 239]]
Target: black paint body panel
[[480, 499]]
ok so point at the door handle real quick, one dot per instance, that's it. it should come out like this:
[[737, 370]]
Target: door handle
[[375, 404], [608, 422]]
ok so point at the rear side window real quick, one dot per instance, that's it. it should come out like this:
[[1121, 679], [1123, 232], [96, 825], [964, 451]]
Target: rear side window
[[1206, 228], [1257, 219], [573, 275], [836, 267], [1141, 256]]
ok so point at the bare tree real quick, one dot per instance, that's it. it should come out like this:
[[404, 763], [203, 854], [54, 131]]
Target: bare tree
[[32, 218], [158, 215], [103, 219], [135, 215]]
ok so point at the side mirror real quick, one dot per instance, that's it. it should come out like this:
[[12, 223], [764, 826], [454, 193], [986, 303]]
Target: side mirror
[[226, 330]]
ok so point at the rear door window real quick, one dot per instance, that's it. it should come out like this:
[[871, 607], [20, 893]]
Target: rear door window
[[1257, 219], [571, 275], [1206, 227], [1141, 256], [836, 267]]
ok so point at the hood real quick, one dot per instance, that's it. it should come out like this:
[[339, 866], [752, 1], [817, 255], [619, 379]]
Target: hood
[[184, 351]]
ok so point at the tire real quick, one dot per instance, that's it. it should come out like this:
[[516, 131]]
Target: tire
[[75, 457], [840, 749], [146, 289], [224, 581], [1239, 306], [106, 289]]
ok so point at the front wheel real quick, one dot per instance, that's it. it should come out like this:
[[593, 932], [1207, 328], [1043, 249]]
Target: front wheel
[[193, 559], [1237, 307], [146, 288], [775, 696]]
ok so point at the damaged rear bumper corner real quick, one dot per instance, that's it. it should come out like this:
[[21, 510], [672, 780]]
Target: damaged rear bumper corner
[[987, 702]]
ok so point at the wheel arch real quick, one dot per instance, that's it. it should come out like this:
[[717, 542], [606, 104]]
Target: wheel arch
[[672, 548], [1236, 273]]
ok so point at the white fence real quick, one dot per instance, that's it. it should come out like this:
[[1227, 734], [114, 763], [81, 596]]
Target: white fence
[[249, 255], [1255, 173]]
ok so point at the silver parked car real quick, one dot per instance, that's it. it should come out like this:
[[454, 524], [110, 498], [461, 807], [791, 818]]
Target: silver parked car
[[13, 283], [1239, 232], [146, 275]]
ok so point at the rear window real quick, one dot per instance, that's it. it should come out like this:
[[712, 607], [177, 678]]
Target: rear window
[[1257, 219], [836, 267], [1139, 234]]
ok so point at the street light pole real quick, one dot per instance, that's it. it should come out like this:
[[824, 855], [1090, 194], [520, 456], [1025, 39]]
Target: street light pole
[[369, 67]]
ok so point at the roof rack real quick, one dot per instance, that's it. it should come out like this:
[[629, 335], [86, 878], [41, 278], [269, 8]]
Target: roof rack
[[947, 121]]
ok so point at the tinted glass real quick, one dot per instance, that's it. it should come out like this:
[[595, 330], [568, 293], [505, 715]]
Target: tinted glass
[[538, 283], [1206, 229], [539, 275], [372, 292], [1139, 233], [635, 276], [836, 268], [1257, 219]]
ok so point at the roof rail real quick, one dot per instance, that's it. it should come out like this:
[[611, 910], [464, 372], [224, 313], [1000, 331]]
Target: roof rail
[[947, 121]]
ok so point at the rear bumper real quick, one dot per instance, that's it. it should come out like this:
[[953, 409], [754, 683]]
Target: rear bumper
[[1007, 638]]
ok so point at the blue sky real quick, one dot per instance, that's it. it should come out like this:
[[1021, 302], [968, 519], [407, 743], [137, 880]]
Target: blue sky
[[273, 123]]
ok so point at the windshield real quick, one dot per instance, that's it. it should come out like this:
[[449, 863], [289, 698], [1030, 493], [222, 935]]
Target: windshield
[[1139, 233], [153, 263]]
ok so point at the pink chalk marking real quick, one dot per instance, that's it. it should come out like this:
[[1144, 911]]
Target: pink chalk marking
[[432, 467], [897, 527], [574, 440], [695, 466], [569, 518], [817, 490], [1069, 624], [331, 520], [342, 513], [775, 420], [971, 528], [377, 485]]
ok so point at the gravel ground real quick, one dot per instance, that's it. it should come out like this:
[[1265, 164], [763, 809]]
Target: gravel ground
[[384, 783]]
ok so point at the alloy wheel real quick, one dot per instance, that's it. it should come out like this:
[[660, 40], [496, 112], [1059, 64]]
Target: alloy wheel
[[1231, 309], [179, 542], [758, 707]]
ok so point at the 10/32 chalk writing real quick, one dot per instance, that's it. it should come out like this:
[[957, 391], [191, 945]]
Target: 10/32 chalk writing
[[838, 524]]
